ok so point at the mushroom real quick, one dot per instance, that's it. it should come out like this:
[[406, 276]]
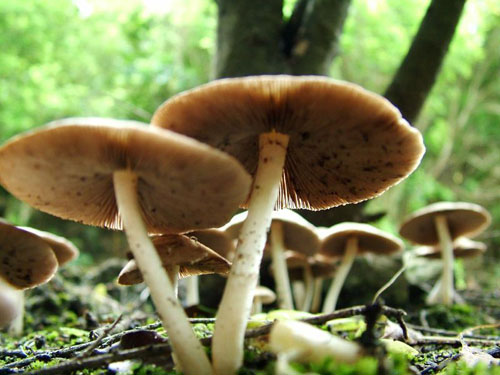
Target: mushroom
[[347, 240], [108, 172], [289, 231], [64, 250], [439, 224], [262, 296], [311, 142], [462, 248], [181, 257], [301, 342], [26, 261], [218, 241]]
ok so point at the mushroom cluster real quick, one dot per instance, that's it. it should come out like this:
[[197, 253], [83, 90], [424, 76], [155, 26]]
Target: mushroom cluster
[[440, 225], [262, 143], [116, 174], [310, 142]]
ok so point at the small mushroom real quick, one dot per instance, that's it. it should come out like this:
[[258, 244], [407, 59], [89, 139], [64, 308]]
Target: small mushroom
[[262, 296], [26, 261], [462, 248], [301, 342], [289, 231], [347, 240], [441, 223], [181, 256]]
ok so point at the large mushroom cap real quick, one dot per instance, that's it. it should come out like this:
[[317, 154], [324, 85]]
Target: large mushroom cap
[[64, 250], [346, 144], [462, 248], [464, 219], [192, 257], [370, 239], [298, 234], [26, 260], [66, 169]]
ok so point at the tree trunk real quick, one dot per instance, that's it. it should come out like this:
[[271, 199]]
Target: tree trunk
[[254, 38]]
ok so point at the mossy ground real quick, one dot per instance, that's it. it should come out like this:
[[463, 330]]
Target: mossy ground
[[67, 311]]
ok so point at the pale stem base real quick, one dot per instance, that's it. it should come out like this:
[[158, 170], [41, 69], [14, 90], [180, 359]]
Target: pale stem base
[[192, 290], [278, 264], [299, 292], [318, 288], [187, 348], [17, 325], [309, 280], [445, 242], [234, 309], [344, 268]]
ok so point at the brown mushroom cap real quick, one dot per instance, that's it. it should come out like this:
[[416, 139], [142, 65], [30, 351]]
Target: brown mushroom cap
[[299, 234], [346, 144], [370, 239], [66, 169], [464, 219], [215, 239], [64, 249], [26, 260], [192, 257], [321, 266], [462, 248]]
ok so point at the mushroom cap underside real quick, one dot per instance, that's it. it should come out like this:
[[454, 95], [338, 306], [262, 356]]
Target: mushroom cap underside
[[66, 169], [346, 144]]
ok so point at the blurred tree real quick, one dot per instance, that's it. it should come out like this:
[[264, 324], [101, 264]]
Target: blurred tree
[[255, 38]]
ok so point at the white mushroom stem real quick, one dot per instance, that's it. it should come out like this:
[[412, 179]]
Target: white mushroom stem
[[299, 292], [192, 290], [280, 271], [234, 309], [188, 350], [318, 288], [309, 280], [333, 293], [445, 242]]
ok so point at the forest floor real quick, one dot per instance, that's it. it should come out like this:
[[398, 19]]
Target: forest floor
[[86, 324]]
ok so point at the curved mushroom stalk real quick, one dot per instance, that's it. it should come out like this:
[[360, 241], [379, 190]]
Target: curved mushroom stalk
[[188, 350], [447, 288], [344, 268], [279, 267], [234, 309]]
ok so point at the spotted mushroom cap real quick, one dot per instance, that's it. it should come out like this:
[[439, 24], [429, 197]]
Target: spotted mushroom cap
[[26, 260], [346, 144], [464, 219], [462, 248], [192, 257], [299, 234], [370, 240], [64, 249], [66, 169]]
